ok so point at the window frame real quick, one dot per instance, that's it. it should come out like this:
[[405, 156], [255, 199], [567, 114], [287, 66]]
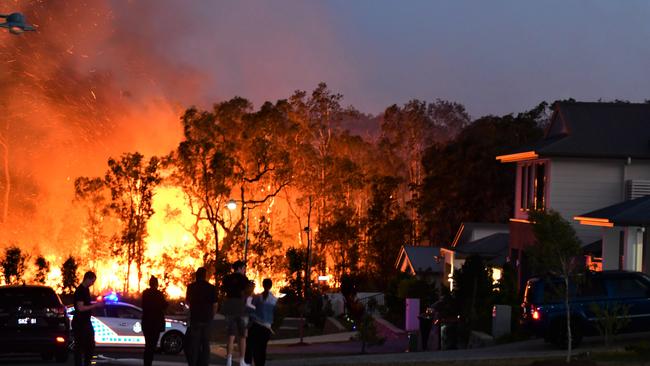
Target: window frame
[[528, 184]]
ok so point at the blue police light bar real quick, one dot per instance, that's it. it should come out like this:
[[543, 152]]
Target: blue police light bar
[[112, 297]]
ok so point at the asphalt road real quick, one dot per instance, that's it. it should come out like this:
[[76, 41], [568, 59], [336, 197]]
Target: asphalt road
[[105, 356]]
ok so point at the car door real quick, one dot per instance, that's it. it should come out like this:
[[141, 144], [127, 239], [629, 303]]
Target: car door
[[126, 322], [590, 297], [631, 292]]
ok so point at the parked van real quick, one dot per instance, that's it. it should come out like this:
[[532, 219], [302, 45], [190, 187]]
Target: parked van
[[623, 292]]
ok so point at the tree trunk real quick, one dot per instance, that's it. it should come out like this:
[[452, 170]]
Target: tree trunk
[[568, 318], [216, 254]]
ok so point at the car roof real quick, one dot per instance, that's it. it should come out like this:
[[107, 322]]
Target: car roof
[[26, 286], [123, 303], [606, 273]]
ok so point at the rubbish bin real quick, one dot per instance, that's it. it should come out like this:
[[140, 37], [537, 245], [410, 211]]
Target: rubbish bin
[[448, 335], [426, 322], [413, 341]]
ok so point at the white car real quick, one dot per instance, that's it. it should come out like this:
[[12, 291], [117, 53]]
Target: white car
[[118, 324]]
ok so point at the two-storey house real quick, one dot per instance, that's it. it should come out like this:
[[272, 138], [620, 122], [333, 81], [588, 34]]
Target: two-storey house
[[593, 159]]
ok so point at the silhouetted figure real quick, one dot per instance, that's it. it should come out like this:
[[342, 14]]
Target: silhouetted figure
[[82, 328], [202, 298], [261, 322], [235, 285], [153, 318]]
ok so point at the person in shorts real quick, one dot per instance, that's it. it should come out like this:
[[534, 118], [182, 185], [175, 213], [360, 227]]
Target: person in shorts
[[234, 287]]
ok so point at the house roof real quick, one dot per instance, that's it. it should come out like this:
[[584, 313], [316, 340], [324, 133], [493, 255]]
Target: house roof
[[421, 259], [489, 246], [634, 212], [593, 130], [468, 231]]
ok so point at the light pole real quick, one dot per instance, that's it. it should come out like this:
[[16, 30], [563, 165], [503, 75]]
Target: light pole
[[232, 205]]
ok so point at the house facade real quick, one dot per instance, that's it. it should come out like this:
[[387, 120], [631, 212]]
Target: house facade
[[487, 240], [593, 156], [426, 263]]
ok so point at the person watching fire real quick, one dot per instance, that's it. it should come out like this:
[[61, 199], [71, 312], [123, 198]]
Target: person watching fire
[[202, 298], [153, 318], [82, 328], [235, 285]]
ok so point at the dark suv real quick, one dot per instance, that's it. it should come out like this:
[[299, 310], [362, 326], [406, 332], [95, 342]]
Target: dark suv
[[33, 320], [544, 312]]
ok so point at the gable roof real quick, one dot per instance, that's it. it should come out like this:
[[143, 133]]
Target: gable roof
[[470, 231], [489, 246], [420, 259], [593, 130]]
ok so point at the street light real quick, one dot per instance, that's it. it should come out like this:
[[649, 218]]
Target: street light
[[16, 23], [232, 205]]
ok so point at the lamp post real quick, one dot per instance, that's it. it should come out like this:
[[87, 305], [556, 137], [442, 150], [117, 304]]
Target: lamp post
[[232, 205]]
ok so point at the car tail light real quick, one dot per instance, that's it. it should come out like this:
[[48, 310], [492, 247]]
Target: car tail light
[[60, 339], [534, 313]]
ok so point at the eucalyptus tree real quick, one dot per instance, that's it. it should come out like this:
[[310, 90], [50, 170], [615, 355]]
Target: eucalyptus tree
[[408, 131], [93, 194], [42, 269], [231, 152], [131, 181], [13, 264]]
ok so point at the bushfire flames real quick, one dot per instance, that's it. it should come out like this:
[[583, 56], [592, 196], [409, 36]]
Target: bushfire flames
[[93, 84], [171, 252]]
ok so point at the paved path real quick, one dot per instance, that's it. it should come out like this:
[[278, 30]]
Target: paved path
[[301, 355]]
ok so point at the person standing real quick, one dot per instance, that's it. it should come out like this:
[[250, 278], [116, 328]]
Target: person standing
[[82, 328], [261, 322], [153, 318], [202, 299], [235, 285]]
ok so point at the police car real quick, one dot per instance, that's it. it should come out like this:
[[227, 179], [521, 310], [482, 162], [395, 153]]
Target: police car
[[119, 324]]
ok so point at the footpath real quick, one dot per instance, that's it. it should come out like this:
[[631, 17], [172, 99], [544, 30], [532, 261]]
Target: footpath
[[338, 349]]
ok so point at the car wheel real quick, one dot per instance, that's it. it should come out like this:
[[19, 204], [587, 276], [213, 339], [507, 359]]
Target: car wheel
[[61, 355], [172, 342]]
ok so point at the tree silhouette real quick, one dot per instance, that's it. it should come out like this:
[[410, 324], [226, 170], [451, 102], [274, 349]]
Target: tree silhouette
[[42, 269], [13, 265], [92, 193], [131, 181], [557, 250], [231, 150], [69, 275]]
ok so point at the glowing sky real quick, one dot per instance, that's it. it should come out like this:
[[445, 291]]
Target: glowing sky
[[493, 56]]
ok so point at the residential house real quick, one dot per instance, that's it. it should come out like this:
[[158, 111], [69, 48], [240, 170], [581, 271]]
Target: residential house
[[593, 167], [489, 241], [425, 263]]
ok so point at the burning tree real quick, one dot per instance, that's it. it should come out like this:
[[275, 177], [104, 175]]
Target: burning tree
[[231, 148], [265, 255], [42, 269], [13, 265], [131, 181], [91, 191], [69, 275]]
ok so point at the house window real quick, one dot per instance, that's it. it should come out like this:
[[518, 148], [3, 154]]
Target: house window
[[533, 186]]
